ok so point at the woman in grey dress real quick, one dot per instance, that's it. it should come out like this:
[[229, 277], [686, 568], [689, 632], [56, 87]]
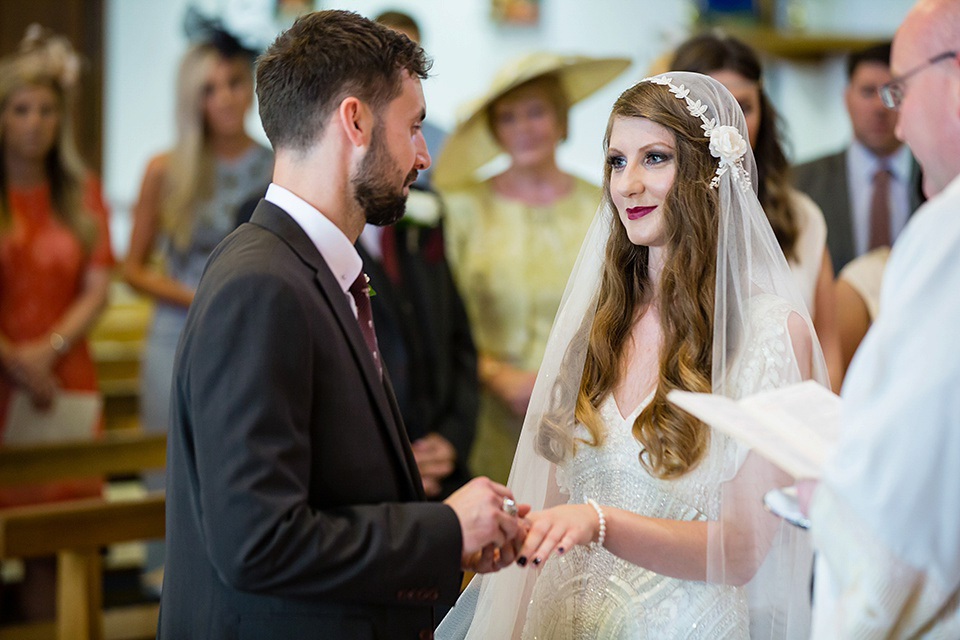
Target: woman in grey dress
[[187, 205]]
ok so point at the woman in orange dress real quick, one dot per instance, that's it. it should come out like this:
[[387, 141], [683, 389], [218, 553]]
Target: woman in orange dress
[[55, 256]]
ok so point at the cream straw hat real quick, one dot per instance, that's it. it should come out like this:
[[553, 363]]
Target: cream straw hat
[[472, 145]]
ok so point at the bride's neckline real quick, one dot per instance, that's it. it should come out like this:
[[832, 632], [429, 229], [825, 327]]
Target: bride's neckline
[[636, 410]]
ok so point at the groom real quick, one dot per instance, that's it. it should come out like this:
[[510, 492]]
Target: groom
[[294, 505]]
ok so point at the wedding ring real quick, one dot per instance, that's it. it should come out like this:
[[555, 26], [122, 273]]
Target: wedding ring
[[509, 507]]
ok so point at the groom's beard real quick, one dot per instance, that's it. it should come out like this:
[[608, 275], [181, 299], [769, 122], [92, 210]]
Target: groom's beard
[[382, 203]]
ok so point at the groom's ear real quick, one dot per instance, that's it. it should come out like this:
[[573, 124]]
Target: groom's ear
[[356, 120]]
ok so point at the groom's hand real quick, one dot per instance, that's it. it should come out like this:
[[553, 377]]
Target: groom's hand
[[492, 558], [483, 522]]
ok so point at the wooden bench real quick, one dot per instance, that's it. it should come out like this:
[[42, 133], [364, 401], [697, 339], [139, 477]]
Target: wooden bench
[[117, 342], [75, 531]]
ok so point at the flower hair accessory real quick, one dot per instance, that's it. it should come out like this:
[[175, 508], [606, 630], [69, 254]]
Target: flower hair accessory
[[53, 54], [726, 142]]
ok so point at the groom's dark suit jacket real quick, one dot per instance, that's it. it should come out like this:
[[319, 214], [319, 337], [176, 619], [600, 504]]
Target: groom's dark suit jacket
[[294, 506]]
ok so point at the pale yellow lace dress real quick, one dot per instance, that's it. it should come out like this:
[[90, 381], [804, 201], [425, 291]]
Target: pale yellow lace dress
[[511, 262]]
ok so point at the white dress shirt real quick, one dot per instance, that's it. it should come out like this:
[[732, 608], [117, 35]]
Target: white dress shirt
[[334, 247]]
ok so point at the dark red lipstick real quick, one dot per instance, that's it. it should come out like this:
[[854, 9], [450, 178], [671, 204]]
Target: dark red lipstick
[[635, 213]]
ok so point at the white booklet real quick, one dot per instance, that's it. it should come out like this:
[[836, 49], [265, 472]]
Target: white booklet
[[73, 416], [795, 427]]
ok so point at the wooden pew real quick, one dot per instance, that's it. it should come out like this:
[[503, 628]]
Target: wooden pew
[[76, 530], [117, 342]]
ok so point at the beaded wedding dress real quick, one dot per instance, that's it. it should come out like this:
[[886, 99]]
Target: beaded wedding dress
[[591, 593]]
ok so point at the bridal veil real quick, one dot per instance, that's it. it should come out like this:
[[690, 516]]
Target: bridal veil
[[746, 546]]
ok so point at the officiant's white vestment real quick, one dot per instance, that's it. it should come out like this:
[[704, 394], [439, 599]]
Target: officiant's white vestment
[[886, 517]]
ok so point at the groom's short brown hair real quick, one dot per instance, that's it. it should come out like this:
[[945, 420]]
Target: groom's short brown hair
[[323, 58]]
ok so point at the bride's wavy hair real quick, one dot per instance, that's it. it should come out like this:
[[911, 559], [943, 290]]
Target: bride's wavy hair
[[672, 441]]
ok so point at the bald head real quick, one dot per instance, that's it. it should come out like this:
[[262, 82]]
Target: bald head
[[929, 120], [938, 21]]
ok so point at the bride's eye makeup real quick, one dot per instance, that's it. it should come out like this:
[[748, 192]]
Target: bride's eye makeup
[[653, 158], [616, 161]]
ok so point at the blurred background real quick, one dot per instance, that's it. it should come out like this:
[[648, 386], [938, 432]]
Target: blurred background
[[133, 47]]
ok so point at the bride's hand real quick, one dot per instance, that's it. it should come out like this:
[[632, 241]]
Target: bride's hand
[[558, 529]]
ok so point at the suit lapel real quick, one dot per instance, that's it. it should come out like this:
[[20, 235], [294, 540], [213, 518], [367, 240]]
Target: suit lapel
[[381, 283], [276, 220], [843, 216]]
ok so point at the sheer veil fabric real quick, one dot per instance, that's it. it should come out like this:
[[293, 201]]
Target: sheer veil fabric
[[763, 337]]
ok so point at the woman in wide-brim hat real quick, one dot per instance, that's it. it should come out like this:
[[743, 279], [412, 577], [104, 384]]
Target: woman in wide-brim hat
[[512, 239]]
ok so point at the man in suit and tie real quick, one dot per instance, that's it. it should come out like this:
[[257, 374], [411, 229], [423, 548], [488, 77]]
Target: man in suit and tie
[[424, 337], [868, 190], [294, 505]]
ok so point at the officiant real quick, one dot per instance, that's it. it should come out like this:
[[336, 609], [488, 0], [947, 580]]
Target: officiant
[[886, 516]]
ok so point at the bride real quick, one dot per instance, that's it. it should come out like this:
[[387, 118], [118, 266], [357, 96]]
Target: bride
[[647, 523]]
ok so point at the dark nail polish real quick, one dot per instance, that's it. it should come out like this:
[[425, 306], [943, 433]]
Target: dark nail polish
[[536, 561], [559, 549], [522, 561]]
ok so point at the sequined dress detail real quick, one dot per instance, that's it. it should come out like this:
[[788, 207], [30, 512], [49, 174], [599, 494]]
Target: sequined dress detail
[[591, 593]]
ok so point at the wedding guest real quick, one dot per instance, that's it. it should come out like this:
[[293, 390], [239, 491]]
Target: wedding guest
[[652, 524], [187, 204], [189, 197], [55, 261], [797, 222], [886, 515], [512, 239], [294, 504], [869, 189], [434, 135], [858, 299], [424, 337]]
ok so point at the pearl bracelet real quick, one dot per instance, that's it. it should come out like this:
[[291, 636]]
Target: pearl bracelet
[[602, 532]]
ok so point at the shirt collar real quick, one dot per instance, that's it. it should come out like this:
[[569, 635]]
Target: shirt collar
[[334, 247], [865, 163]]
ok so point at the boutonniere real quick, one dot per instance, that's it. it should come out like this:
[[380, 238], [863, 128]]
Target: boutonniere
[[370, 290], [423, 209]]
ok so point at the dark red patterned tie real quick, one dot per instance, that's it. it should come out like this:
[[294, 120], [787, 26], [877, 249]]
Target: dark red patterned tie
[[880, 210], [360, 290]]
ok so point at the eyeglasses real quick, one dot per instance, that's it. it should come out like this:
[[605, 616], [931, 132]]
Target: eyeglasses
[[892, 92]]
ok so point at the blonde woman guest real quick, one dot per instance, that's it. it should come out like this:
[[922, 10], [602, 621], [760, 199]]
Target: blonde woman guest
[[797, 221], [189, 198], [55, 260], [187, 205], [512, 239]]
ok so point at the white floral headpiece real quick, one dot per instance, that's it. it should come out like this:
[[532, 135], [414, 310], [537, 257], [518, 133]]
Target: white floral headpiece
[[53, 54], [726, 142]]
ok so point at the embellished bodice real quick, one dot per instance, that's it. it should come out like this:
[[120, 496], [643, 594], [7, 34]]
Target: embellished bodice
[[595, 594], [591, 593]]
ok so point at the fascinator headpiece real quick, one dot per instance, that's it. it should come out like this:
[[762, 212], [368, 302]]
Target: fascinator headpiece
[[200, 28]]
